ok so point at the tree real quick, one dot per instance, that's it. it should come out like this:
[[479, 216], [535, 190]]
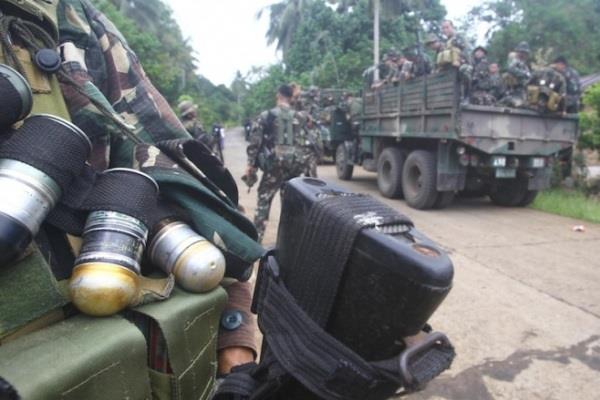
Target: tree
[[553, 27], [284, 19]]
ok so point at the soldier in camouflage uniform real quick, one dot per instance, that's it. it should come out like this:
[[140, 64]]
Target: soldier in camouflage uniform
[[573, 92], [517, 76], [119, 94], [456, 43], [313, 148], [276, 147], [497, 87], [481, 82], [189, 118]]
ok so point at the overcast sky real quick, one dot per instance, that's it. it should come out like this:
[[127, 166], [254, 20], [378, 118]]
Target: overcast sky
[[228, 37]]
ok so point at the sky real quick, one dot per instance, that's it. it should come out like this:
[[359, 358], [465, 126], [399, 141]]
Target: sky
[[228, 38]]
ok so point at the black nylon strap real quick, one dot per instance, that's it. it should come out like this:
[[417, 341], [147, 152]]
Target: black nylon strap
[[325, 246]]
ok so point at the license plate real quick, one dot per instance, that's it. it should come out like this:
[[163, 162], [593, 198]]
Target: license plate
[[506, 173]]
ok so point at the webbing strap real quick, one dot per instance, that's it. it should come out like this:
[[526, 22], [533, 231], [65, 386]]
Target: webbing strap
[[318, 361]]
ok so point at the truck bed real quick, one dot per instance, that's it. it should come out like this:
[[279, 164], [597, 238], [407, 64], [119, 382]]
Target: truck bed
[[429, 107]]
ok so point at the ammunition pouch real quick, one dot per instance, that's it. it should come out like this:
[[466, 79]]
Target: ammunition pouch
[[326, 335], [449, 57], [510, 80], [533, 95], [543, 98]]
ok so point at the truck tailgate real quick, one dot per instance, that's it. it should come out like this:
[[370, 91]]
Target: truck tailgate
[[497, 130]]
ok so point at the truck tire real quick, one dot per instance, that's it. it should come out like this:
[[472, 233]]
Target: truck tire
[[419, 179], [343, 168], [444, 199], [529, 198], [389, 172], [509, 193]]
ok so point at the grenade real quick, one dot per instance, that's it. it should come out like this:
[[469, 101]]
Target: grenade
[[35, 179], [197, 264], [17, 100], [106, 276]]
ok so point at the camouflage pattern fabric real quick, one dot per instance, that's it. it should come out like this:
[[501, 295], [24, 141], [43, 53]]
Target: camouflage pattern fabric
[[517, 76], [574, 90], [459, 42], [481, 84], [193, 126], [98, 59], [278, 163]]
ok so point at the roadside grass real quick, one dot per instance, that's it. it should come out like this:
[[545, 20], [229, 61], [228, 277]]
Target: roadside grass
[[571, 204]]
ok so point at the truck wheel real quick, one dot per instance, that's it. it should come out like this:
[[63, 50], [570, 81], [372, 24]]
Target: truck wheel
[[389, 172], [419, 179], [529, 198], [444, 199], [342, 165], [509, 193]]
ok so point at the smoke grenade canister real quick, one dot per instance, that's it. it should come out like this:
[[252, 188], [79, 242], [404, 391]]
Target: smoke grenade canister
[[198, 265], [36, 165], [16, 100], [106, 277]]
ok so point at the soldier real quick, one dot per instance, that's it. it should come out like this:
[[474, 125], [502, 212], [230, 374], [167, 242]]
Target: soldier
[[497, 88], [481, 83], [420, 60], [573, 93], [188, 113], [312, 144], [455, 42], [546, 90], [406, 68], [276, 148], [517, 76], [453, 54]]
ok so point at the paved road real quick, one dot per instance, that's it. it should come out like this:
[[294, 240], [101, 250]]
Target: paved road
[[524, 313]]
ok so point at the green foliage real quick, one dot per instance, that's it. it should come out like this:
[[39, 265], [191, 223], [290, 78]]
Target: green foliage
[[168, 59], [332, 47], [562, 27], [590, 119], [573, 204]]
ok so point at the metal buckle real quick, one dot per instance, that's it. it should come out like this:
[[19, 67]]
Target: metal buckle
[[433, 339]]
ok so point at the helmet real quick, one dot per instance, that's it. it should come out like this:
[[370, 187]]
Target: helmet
[[480, 48], [186, 107], [523, 47], [432, 38]]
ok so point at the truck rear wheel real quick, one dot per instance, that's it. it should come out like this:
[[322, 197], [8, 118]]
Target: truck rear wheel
[[389, 172], [342, 163], [419, 179], [510, 193]]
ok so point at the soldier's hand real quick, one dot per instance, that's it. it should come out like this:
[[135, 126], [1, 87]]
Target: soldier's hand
[[250, 170], [233, 357]]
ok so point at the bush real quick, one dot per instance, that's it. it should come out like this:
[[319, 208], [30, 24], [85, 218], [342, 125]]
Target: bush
[[590, 119]]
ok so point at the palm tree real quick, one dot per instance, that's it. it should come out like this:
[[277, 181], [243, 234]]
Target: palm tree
[[285, 18]]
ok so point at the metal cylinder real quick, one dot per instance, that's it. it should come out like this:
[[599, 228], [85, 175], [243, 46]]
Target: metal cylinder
[[197, 264], [29, 197], [17, 100], [105, 279]]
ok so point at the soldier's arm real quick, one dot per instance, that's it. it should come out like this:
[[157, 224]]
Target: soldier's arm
[[255, 139], [518, 70]]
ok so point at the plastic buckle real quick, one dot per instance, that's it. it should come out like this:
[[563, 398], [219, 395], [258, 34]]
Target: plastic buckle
[[433, 339]]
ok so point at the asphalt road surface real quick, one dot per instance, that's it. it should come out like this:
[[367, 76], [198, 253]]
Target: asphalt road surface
[[524, 313]]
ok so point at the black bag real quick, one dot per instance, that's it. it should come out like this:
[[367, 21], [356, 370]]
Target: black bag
[[350, 280]]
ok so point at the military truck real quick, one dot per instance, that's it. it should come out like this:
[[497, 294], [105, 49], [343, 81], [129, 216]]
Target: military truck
[[426, 145]]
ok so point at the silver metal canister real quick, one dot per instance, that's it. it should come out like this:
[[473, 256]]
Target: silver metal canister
[[198, 265]]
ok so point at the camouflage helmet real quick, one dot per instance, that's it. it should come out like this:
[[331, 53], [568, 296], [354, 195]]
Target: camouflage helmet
[[523, 47], [432, 38], [186, 107]]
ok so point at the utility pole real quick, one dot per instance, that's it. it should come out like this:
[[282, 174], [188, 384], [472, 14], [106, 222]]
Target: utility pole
[[376, 14]]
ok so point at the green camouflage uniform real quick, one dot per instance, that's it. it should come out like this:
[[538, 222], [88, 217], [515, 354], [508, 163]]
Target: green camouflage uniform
[[98, 59], [193, 126], [518, 74], [573, 90], [277, 147], [497, 86], [481, 84]]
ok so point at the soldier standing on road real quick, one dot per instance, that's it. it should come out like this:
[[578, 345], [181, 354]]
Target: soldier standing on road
[[573, 96], [312, 143], [276, 148], [517, 76]]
